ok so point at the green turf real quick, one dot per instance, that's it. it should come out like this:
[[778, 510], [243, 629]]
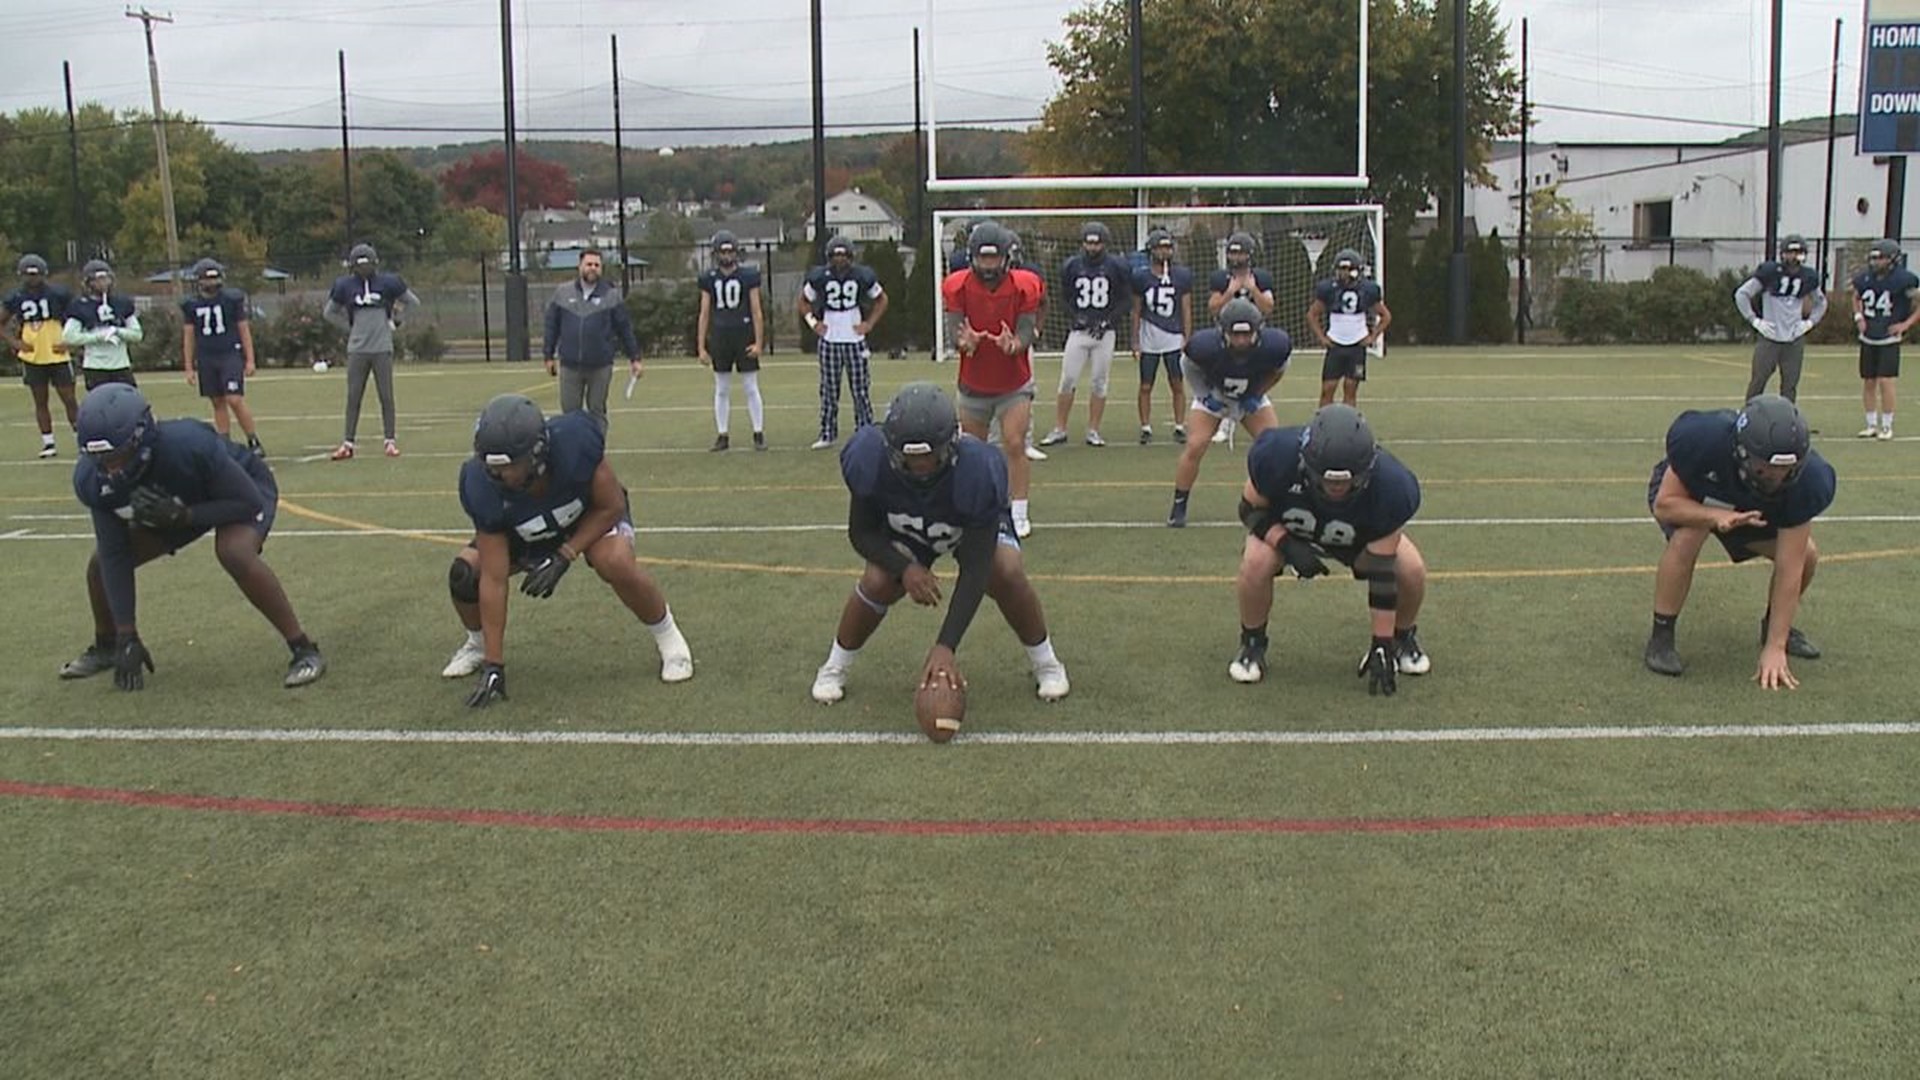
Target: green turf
[[159, 942]]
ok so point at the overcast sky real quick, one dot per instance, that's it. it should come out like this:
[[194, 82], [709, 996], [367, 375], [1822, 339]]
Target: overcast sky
[[689, 73]]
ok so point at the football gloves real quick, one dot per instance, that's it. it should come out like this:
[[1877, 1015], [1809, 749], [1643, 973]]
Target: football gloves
[[157, 510], [492, 688], [543, 578], [1378, 668], [1301, 558], [129, 656]]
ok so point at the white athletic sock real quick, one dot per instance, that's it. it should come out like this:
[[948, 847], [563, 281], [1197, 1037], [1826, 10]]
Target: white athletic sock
[[722, 402], [840, 656], [1019, 509], [46, 438], [756, 408], [665, 628], [1886, 421], [1873, 420], [1041, 655], [477, 638]]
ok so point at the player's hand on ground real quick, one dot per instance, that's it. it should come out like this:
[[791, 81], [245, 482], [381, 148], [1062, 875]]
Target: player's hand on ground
[[1772, 673], [1377, 667], [922, 584], [939, 669], [129, 656], [544, 577], [1728, 520], [157, 510], [1301, 558], [492, 687]]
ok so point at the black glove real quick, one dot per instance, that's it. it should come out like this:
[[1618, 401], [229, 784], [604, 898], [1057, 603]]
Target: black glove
[[1378, 668], [543, 578], [129, 656], [1301, 558], [492, 688], [155, 509]]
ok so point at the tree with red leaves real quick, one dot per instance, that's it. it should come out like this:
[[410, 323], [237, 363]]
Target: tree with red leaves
[[481, 180]]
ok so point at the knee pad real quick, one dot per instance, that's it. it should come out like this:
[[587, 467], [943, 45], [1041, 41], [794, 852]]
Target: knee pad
[[463, 581], [873, 605]]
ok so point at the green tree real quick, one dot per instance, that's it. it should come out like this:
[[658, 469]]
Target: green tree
[[1489, 318], [396, 207], [883, 257], [1561, 244], [1269, 86]]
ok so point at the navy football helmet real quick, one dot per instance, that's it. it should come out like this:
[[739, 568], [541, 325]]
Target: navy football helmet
[[990, 241], [1770, 431], [31, 265], [1793, 245], [115, 427], [1094, 241], [208, 276], [1239, 316], [920, 421], [1338, 446], [1239, 251], [511, 430], [726, 248], [1346, 265], [92, 274]]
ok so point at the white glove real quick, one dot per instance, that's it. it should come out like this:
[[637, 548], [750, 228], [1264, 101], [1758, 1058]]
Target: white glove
[[1805, 328], [1759, 326], [109, 335]]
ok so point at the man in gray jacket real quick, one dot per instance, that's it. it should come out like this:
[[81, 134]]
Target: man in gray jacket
[[1791, 303], [586, 323], [368, 304]]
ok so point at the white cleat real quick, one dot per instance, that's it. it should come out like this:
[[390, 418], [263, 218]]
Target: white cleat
[[1050, 681], [820, 444], [1866, 433], [1034, 453], [466, 660], [1410, 658], [676, 660], [829, 684], [1886, 434], [1223, 432]]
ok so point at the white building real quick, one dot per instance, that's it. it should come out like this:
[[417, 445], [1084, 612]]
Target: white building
[[1700, 205], [860, 217]]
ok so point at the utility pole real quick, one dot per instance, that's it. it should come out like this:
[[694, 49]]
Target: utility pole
[[147, 19], [1524, 315], [820, 234], [346, 158], [519, 344], [919, 165], [1457, 282], [1772, 229], [620, 175], [80, 250]]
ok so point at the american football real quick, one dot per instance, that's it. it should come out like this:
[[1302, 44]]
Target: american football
[[940, 708]]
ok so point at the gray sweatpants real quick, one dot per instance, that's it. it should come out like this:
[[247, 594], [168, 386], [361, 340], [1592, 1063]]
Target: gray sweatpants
[[580, 385], [358, 364], [1787, 356]]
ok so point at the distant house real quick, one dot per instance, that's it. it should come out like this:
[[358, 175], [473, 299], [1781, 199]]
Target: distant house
[[555, 238], [859, 217], [753, 233]]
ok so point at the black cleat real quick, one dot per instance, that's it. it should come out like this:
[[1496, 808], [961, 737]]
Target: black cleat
[[306, 666], [89, 663], [1797, 643], [1663, 658], [1177, 517], [759, 440]]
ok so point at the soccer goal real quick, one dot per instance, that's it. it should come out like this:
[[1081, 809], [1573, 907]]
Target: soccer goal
[[1296, 244]]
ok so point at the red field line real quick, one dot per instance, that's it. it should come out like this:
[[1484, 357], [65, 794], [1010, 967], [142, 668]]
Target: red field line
[[875, 827]]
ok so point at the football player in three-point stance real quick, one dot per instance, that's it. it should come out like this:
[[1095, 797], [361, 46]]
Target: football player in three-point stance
[[39, 308], [1792, 303], [542, 496], [1753, 481], [153, 488], [730, 309], [1230, 367], [1328, 489], [919, 491], [1883, 312], [1240, 280], [1347, 316], [216, 348]]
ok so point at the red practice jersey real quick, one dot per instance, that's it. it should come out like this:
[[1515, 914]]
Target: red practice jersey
[[990, 371]]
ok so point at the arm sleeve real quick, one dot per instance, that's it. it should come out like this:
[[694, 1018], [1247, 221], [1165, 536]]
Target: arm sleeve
[[867, 529], [72, 333], [551, 320], [623, 326], [1743, 296], [1818, 310], [336, 314], [115, 552], [231, 496], [133, 331], [411, 299], [975, 559]]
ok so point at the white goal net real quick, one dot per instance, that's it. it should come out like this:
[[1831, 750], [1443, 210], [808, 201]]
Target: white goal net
[[1296, 244]]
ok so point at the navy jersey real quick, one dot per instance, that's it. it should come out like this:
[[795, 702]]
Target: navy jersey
[[1160, 296], [1776, 280], [1700, 451], [1348, 306], [376, 294], [1098, 294], [1885, 299], [575, 448], [1217, 282], [94, 311], [1233, 375], [1342, 529], [853, 291], [928, 522], [960, 259], [47, 304], [731, 294], [215, 321]]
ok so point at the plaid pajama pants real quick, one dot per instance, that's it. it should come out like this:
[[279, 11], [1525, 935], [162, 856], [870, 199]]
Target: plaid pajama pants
[[853, 358]]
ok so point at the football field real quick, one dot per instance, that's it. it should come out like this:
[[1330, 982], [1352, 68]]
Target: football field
[[1540, 860]]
